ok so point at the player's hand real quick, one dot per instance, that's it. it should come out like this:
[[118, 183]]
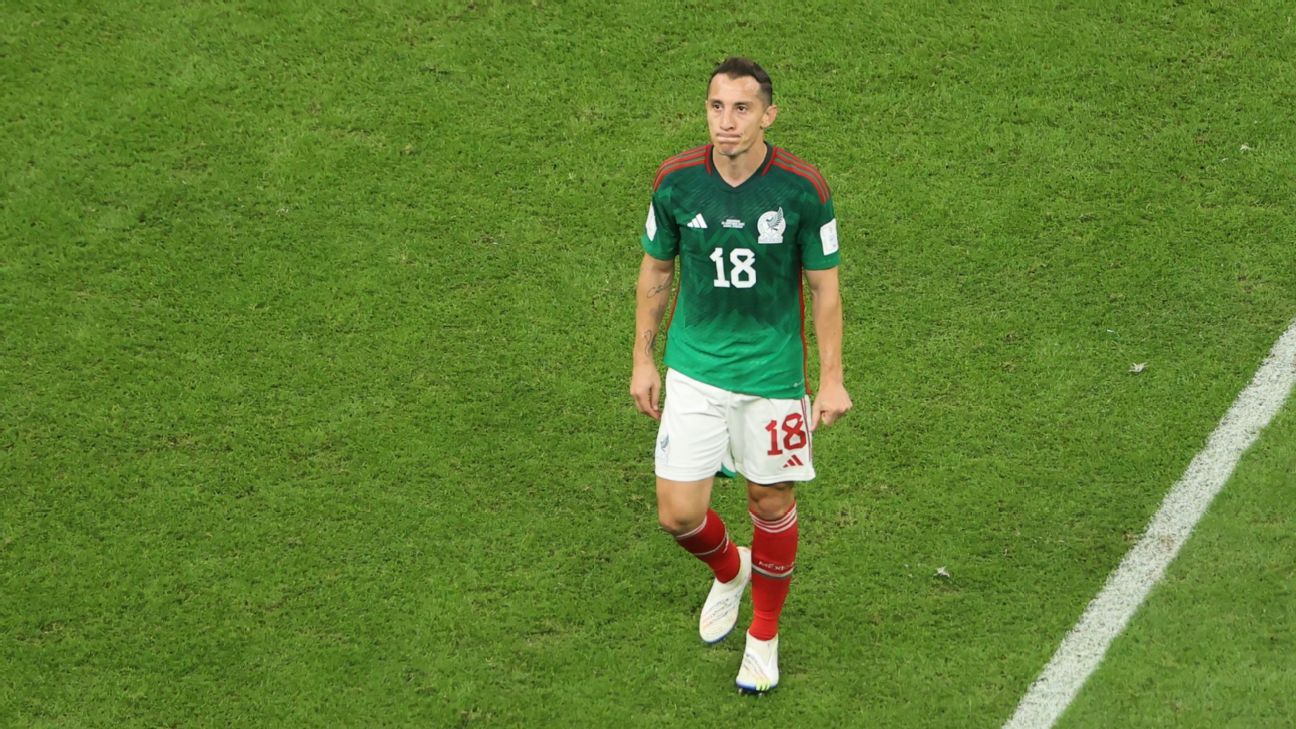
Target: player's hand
[[832, 403], [645, 388]]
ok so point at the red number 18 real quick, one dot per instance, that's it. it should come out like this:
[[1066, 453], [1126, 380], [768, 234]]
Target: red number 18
[[794, 435]]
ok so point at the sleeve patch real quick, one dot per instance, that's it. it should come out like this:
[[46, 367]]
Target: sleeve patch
[[828, 236], [650, 227]]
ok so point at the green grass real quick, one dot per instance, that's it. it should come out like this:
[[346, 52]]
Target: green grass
[[1214, 645], [316, 329]]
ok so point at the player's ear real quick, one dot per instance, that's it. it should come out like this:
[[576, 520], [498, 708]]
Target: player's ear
[[767, 121]]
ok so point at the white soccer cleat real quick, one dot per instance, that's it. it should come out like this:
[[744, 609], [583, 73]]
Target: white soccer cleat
[[759, 671], [720, 611]]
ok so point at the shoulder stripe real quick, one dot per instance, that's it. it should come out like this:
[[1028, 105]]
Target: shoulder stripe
[[661, 174], [787, 156], [810, 171], [691, 158], [688, 156], [682, 155], [793, 158], [820, 188]]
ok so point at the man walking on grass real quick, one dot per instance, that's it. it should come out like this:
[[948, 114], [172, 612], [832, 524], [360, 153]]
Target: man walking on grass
[[747, 221]]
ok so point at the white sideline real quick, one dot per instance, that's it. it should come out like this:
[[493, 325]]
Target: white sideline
[[1106, 616]]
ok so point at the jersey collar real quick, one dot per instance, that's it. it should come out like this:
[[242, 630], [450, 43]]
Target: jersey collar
[[761, 169]]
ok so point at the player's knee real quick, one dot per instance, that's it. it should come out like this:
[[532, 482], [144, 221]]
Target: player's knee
[[675, 523], [770, 502], [770, 511]]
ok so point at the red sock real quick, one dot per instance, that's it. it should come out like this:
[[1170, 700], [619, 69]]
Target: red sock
[[774, 546], [710, 543]]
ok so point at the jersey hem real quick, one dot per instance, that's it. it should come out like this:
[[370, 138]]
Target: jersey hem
[[765, 479], [795, 394]]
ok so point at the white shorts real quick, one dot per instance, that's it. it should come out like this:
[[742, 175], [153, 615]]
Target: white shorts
[[767, 440]]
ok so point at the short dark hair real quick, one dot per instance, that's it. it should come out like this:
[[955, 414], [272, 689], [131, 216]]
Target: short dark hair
[[737, 67]]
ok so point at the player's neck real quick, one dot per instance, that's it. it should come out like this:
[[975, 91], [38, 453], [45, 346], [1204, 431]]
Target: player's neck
[[737, 170]]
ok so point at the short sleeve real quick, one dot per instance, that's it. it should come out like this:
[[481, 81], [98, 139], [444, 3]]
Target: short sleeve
[[660, 238], [817, 237]]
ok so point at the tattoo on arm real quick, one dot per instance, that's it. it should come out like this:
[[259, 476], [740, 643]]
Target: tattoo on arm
[[655, 301]]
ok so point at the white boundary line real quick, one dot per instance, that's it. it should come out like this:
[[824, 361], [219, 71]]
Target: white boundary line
[[1106, 616]]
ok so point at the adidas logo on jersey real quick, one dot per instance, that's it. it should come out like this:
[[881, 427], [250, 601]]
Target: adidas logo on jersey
[[697, 221], [795, 460]]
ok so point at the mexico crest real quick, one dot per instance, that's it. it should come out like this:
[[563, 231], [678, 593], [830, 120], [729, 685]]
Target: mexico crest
[[771, 226]]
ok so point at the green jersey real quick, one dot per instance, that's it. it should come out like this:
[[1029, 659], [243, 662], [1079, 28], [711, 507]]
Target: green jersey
[[739, 317]]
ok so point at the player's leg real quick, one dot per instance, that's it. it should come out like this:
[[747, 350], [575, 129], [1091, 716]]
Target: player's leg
[[774, 547], [684, 510], [774, 452], [682, 505], [691, 444]]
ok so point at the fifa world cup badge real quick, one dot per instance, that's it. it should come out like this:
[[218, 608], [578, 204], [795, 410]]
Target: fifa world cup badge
[[771, 226]]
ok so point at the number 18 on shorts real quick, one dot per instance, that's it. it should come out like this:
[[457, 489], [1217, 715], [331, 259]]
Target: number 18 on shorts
[[767, 440]]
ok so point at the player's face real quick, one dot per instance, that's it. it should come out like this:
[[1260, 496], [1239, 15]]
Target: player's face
[[737, 115]]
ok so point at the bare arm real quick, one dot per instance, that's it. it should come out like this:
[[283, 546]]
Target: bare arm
[[833, 401], [651, 297]]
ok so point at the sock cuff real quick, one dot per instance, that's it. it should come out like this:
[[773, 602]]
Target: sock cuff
[[710, 537], [694, 532], [776, 526]]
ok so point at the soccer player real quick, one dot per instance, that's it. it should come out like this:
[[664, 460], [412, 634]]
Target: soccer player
[[747, 222]]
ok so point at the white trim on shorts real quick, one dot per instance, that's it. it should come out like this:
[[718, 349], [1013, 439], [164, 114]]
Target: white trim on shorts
[[704, 427]]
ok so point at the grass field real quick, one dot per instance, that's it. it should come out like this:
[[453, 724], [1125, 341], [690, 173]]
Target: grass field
[[316, 339], [1214, 646]]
